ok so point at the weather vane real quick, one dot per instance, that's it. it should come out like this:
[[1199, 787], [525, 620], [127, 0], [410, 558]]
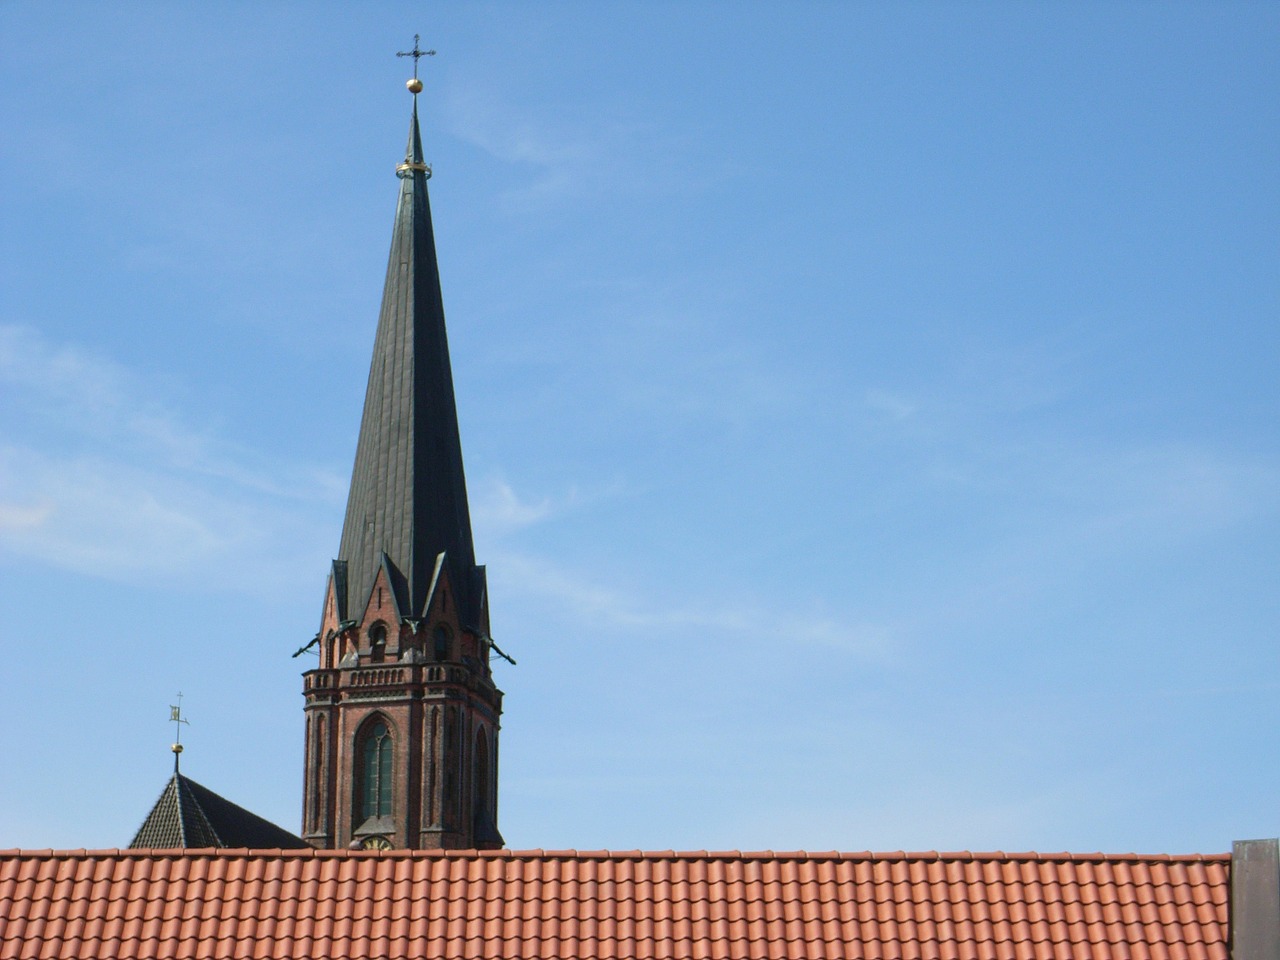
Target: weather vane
[[177, 719], [415, 85]]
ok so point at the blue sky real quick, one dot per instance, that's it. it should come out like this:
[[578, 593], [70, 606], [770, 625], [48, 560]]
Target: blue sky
[[869, 410]]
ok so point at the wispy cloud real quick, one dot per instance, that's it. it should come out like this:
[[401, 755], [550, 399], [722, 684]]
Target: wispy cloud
[[107, 480], [562, 161], [1110, 494], [499, 510], [1058, 516], [568, 158], [15, 518], [1045, 518], [893, 405], [97, 516], [603, 607], [71, 393]]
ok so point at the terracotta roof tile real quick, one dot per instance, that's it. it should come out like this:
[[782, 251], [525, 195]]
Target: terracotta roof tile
[[504, 904]]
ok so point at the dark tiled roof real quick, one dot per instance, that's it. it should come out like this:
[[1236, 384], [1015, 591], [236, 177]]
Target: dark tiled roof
[[408, 494], [638, 906], [190, 815]]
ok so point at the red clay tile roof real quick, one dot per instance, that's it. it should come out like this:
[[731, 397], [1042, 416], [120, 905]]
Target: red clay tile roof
[[504, 904]]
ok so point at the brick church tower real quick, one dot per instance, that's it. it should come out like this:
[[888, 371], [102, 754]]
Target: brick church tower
[[402, 712]]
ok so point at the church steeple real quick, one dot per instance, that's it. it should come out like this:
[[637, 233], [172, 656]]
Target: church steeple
[[408, 494], [402, 713]]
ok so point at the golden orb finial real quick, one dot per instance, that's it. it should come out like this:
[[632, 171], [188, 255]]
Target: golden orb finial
[[176, 748], [415, 85]]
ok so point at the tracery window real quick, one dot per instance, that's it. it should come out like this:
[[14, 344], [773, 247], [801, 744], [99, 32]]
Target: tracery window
[[375, 772]]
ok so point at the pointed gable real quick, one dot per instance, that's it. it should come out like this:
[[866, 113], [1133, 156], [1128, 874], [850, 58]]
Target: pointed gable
[[190, 815], [176, 820]]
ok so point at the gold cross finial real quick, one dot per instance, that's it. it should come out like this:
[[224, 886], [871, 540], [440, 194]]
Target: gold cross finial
[[417, 55]]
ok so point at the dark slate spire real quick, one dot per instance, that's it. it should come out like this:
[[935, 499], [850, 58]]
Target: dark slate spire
[[408, 495]]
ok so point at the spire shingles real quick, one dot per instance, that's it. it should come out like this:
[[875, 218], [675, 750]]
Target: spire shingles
[[408, 494]]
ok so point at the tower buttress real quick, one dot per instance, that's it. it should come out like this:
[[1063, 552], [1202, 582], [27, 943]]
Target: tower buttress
[[402, 714]]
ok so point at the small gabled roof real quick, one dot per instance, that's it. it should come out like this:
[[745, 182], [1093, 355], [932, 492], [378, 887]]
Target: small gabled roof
[[193, 816], [504, 905]]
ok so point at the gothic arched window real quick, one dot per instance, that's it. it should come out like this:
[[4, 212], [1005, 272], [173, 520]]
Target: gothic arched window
[[482, 789], [375, 772], [318, 757]]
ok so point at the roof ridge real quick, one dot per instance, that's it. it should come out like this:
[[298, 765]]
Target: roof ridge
[[188, 792], [539, 854]]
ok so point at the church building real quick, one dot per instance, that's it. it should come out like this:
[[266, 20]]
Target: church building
[[399, 854]]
